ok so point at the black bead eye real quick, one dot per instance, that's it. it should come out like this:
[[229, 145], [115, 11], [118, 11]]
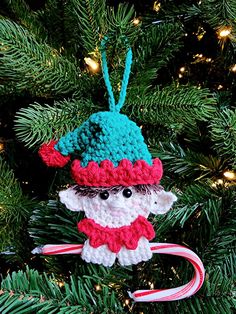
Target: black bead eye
[[127, 193], [104, 195]]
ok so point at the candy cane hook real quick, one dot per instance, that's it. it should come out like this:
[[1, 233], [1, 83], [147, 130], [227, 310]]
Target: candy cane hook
[[155, 295]]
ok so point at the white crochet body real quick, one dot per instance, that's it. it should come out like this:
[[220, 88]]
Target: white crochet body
[[114, 212]]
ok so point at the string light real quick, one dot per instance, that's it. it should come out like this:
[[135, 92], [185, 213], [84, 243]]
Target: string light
[[119, 87], [182, 69], [217, 182], [224, 32], [93, 65], [230, 175], [151, 284], [220, 87], [61, 284], [136, 21], [200, 33], [233, 68], [127, 302], [199, 57], [98, 288], [180, 75], [48, 62], [157, 6], [2, 147]]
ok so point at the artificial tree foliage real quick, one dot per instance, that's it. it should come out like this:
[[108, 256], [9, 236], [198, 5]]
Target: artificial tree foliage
[[181, 93]]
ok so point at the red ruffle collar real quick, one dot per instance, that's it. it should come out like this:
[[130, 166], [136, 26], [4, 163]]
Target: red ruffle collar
[[115, 238]]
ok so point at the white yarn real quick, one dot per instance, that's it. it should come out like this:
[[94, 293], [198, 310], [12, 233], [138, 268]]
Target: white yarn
[[101, 255], [132, 257], [118, 211]]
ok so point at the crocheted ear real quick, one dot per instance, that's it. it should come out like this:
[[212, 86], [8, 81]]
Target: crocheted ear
[[162, 202], [70, 199]]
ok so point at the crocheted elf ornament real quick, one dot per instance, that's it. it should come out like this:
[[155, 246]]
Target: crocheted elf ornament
[[117, 186], [113, 155]]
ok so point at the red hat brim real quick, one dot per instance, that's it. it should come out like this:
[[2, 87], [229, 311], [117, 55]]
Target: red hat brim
[[125, 174]]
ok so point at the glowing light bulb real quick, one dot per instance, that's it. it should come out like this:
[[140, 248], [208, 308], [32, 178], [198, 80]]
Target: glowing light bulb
[[136, 21], [182, 69], [233, 68], [93, 65], [224, 32], [98, 288], [156, 6], [230, 175], [152, 285], [180, 75], [126, 301], [2, 146]]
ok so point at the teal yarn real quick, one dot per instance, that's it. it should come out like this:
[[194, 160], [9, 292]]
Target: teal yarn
[[106, 135], [128, 62], [109, 134]]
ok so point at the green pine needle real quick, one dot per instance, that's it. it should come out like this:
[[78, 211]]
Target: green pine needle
[[223, 133], [40, 123], [32, 65]]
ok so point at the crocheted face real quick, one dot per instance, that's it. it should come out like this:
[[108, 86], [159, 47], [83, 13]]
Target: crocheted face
[[117, 206]]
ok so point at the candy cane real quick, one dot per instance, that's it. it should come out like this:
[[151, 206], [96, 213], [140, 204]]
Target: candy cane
[[172, 294], [178, 293], [56, 249]]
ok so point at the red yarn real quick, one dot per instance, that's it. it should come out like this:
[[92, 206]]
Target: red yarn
[[125, 173], [115, 238], [51, 156]]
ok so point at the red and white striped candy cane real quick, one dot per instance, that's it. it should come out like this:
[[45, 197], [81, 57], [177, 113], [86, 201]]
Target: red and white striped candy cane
[[56, 249], [178, 293], [154, 295]]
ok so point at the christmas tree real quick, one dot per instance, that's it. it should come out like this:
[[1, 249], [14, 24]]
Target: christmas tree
[[182, 96]]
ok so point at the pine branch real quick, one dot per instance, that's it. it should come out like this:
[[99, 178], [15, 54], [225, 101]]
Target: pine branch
[[156, 46], [185, 11], [40, 123], [52, 16], [162, 40], [53, 223], [30, 292], [120, 23], [94, 19], [88, 15], [172, 105], [15, 209], [34, 66], [223, 133], [221, 250], [27, 18], [199, 209], [219, 13], [188, 164], [216, 297]]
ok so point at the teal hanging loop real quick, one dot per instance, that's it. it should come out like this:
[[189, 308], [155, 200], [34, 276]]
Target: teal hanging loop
[[128, 62]]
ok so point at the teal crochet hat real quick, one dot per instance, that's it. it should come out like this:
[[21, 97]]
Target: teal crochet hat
[[111, 146], [106, 135]]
